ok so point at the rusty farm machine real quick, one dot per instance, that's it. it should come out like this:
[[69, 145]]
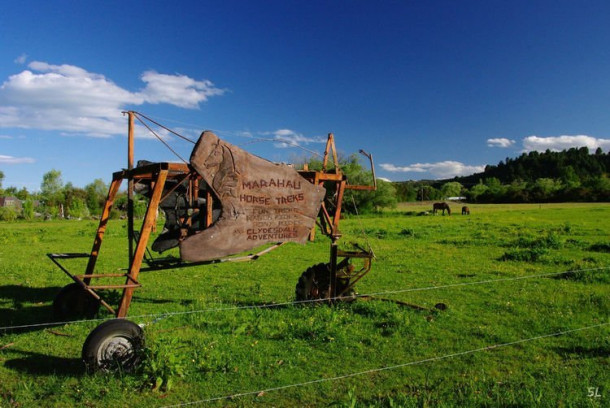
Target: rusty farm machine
[[220, 205]]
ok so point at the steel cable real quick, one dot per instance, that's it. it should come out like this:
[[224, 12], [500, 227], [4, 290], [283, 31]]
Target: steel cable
[[160, 139], [301, 302], [387, 368]]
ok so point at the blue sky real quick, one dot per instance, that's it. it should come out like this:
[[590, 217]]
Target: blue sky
[[433, 89]]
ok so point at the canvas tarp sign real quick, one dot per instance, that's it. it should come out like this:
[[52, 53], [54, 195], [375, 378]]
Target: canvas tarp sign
[[261, 201]]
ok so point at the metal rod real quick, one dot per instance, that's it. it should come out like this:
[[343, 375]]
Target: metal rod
[[130, 154]]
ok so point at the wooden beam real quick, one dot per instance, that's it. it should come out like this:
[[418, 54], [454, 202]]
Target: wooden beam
[[147, 226], [101, 229]]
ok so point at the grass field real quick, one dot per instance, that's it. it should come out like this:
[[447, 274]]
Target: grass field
[[204, 348]]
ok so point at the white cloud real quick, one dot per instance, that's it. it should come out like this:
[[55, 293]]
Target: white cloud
[[558, 143], [15, 160], [439, 170], [500, 142], [178, 90], [290, 138], [70, 99], [21, 59]]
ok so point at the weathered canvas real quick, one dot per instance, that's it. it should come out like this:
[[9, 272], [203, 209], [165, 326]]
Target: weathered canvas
[[261, 201]]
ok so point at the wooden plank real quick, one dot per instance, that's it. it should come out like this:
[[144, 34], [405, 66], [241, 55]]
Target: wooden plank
[[147, 226], [101, 229]]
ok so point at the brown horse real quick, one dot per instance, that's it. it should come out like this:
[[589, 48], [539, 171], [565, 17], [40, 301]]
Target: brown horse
[[465, 210], [441, 206]]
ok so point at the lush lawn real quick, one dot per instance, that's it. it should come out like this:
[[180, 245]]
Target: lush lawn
[[215, 353]]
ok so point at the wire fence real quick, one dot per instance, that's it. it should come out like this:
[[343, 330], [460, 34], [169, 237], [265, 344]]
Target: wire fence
[[163, 315], [232, 396], [387, 368]]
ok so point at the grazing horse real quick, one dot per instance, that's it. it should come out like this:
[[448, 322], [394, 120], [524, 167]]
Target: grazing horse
[[441, 206], [465, 210]]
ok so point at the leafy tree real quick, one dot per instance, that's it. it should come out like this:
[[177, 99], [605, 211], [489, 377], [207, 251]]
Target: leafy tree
[[366, 201], [452, 189], [477, 191], [569, 177], [51, 187], [77, 208], [1, 180], [51, 183], [406, 191], [545, 188], [517, 192], [51, 192], [427, 192], [23, 194], [140, 204], [8, 214], [601, 188], [75, 201], [28, 209], [10, 191], [96, 195]]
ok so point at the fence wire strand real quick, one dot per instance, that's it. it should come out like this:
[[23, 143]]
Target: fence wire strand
[[160, 316], [387, 368]]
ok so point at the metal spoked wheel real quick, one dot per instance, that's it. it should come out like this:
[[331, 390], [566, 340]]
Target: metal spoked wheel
[[113, 345], [73, 302]]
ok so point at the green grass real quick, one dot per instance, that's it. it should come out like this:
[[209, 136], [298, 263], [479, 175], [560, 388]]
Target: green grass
[[214, 353]]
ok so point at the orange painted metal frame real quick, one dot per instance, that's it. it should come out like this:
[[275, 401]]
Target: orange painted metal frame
[[157, 174]]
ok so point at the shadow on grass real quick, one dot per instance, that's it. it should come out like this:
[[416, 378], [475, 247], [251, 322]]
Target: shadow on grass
[[43, 364], [143, 299], [588, 352], [24, 305], [20, 293]]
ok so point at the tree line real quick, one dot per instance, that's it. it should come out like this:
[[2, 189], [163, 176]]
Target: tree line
[[58, 200], [570, 175]]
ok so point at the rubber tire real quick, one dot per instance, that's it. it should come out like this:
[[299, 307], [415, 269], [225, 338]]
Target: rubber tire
[[73, 302], [310, 282], [115, 345], [313, 283]]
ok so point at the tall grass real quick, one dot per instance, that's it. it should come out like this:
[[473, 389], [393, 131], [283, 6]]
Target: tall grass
[[215, 342]]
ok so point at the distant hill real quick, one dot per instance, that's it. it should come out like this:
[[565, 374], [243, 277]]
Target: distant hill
[[569, 175], [573, 164]]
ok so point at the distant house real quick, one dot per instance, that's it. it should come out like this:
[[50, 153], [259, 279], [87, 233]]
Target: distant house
[[456, 198], [11, 202]]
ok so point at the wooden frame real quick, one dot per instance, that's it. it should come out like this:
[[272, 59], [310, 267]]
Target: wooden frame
[[157, 175]]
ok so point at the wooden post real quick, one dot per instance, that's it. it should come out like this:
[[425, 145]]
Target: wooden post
[[101, 229], [337, 215], [209, 208], [332, 289], [147, 225], [330, 148], [130, 149], [316, 182]]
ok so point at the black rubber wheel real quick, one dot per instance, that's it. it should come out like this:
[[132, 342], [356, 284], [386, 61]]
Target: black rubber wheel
[[73, 302], [313, 283], [113, 345]]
